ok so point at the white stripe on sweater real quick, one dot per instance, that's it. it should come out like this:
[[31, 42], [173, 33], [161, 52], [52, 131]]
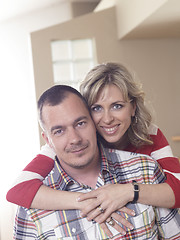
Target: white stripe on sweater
[[176, 175], [26, 176], [47, 151], [162, 153]]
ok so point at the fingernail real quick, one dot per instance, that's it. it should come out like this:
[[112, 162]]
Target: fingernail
[[131, 227], [123, 232], [78, 199], [82, 215], [133, 213]]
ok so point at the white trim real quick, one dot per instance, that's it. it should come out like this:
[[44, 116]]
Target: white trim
[[26, 176], [162, 153], [177, 175], [47, 151]]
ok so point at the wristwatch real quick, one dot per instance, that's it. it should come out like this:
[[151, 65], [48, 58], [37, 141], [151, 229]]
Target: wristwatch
[[136, 191]]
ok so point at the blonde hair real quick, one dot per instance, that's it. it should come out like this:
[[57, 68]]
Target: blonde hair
[[114, 73]]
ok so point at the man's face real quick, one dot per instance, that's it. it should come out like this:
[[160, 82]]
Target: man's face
[[70, 131]]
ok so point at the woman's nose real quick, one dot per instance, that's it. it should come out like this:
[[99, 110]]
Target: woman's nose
[[107, 117]]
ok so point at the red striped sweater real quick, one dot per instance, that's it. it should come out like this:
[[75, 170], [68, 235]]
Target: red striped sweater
[[29, 181]]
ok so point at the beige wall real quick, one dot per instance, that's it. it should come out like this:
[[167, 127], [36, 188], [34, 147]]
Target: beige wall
[[131, 14], [18, 96], [156, 62]]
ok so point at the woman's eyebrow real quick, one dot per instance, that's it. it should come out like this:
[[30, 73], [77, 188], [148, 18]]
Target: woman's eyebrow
[[119, 101]]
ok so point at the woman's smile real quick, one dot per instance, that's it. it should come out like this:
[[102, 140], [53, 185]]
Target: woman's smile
[[110, 130]]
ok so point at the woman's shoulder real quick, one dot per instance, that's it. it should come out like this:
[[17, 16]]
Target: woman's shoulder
[[153, 129], [157, 136]]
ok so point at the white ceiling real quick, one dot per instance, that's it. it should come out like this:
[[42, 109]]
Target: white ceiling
[[14, 8]]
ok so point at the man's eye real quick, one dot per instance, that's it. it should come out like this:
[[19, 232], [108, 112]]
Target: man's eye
[[96, 108], [58, 132], [81, 123]]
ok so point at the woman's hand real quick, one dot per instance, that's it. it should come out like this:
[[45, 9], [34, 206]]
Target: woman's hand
[[115, 216], [106, 200]]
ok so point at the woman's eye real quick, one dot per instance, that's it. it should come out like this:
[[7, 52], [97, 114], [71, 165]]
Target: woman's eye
[[96, 108], [117, 106]]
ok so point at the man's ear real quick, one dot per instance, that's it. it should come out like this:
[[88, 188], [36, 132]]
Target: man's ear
[[45, 137]]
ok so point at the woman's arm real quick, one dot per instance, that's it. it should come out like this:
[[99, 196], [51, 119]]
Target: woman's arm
[[162, 153], [30, 179], [159, 195], [114, 196], [51, 199]]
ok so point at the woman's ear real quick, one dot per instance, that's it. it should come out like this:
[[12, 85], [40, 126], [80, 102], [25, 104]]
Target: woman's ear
[[133, 109]]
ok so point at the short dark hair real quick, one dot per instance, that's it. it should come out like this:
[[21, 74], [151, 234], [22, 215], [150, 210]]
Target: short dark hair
[[55, 95]]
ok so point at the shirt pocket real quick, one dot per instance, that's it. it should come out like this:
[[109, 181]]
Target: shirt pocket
[[143, 222], [78, 229]]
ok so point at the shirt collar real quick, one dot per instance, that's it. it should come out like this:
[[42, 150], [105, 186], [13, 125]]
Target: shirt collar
[[64, 180], [106, 160]]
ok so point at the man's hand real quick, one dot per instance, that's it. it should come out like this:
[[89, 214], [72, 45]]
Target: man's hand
[[119, 219]]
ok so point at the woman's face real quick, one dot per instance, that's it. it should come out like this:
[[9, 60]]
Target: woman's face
[[112, 114]]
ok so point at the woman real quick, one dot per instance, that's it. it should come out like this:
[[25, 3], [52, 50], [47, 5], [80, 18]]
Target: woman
[[123, 122]]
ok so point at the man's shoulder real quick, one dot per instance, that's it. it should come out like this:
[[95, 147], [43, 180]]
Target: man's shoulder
[[57, 178], [126, 155], [129, 160], [129, 165]]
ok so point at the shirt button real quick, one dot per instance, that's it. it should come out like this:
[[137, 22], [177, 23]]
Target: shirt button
[[73, 230]]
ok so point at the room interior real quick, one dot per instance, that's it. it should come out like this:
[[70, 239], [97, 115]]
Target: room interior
[[146, 39], [143, 35]]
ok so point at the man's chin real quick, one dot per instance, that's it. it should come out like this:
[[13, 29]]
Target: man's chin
[[82, 164]]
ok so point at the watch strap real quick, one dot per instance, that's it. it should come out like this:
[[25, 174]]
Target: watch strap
[[136, 191]]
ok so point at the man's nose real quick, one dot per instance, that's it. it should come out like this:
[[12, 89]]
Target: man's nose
[[74, 136]]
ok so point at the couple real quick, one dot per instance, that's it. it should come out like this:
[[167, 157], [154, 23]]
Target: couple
[[81, 165]]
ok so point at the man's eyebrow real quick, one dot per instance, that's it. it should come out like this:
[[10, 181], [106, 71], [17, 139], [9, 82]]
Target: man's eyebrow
[[80, 119], [75, 121], [55, 128]]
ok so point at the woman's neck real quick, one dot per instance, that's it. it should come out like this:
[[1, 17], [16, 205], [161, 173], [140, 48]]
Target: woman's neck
[[120, 145]]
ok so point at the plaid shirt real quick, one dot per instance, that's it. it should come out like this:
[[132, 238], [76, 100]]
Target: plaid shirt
[[116, 167]]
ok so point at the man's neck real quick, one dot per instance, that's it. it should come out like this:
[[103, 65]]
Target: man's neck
[[88, 175], [89, 178]]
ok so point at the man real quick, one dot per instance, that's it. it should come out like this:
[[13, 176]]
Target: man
[[82, 165]]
